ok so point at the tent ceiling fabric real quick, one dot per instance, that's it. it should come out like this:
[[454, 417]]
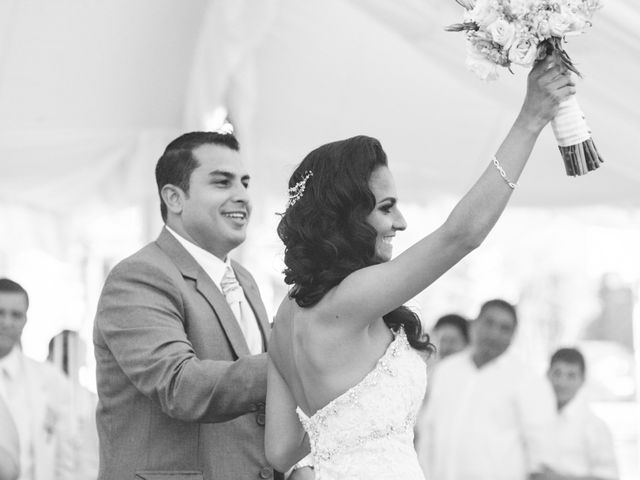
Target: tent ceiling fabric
[[107, 84]]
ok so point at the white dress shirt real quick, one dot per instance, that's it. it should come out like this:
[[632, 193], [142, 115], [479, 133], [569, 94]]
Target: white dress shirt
[[14, 390], [585, 445], [215, 268], [489, 423], [9, 442]]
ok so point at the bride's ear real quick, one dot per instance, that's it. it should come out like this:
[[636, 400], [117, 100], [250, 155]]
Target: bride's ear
[[173, 198]]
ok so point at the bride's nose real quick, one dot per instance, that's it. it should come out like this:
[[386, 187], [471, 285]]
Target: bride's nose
[[399, 223]]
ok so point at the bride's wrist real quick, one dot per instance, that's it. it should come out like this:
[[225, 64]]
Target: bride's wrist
[[529, 123]]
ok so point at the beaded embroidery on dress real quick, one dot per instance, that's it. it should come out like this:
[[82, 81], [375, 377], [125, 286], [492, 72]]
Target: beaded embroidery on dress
[[367, 432]]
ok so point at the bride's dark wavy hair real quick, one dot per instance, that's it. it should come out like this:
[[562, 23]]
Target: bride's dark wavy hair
[[325, 232]]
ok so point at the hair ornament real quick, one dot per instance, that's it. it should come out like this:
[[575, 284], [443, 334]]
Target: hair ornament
[[296, 192]]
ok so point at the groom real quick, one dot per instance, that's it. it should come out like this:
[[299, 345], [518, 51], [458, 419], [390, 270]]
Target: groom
[[180, 332]]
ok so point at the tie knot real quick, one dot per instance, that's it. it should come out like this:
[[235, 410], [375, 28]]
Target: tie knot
[[229, 283]]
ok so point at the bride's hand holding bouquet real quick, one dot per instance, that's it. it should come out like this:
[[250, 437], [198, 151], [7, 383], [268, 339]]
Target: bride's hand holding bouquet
[[549, 85]]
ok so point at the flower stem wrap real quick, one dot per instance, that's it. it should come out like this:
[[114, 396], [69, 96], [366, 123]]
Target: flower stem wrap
[[574, 139]]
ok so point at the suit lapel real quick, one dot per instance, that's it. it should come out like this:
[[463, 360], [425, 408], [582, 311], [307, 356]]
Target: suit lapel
[[253, 296], [205, 286]]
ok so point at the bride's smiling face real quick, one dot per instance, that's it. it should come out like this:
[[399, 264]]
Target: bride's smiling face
[[385, 218]]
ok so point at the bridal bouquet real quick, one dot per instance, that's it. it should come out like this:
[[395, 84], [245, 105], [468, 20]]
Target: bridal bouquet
[[507, 32]]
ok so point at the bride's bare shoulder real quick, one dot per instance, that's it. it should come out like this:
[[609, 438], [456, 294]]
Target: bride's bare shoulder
[[281, 330], [282, 319]]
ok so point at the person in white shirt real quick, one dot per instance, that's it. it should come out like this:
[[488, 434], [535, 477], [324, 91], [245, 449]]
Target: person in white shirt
[[488, 416], [584, 444], [450, 335], [36, 394], [67, 352], [9, 445]]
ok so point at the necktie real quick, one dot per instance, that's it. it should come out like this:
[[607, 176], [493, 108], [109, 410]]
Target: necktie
[[242, 310]]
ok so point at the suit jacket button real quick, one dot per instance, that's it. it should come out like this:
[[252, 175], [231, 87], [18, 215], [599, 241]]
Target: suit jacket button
[[253, 407], [266, 472], [260, 419]]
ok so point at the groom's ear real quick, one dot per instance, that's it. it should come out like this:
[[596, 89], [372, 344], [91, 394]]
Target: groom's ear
[[173, 198]]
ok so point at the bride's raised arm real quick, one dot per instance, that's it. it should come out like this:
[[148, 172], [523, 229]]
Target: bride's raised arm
[[371, 292]]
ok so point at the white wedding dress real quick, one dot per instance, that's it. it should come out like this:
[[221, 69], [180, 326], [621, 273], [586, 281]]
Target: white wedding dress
[[367, 432]]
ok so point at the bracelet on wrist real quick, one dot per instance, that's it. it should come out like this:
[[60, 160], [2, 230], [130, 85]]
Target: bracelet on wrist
[[511, 184]]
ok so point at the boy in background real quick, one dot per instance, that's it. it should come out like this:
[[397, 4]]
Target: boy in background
[[585, 445]]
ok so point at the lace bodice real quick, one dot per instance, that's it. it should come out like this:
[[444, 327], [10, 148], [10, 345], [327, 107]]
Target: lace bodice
[[367, 432]]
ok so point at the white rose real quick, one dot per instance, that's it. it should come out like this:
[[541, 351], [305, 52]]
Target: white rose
[[523, 51], [502, 32], [484, 12], [478, 64], [559, 24]]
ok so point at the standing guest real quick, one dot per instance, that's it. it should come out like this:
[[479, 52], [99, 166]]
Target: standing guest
[[450, 335], [9, 445], [584, 443], [488, 416], [37, 396], [180, 332], [67, 352]]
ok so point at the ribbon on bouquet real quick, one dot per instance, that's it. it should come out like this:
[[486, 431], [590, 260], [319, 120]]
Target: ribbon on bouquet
[[570, 127], [572, 133]]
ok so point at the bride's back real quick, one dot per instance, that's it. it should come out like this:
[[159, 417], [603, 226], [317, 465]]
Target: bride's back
[[320, 356]]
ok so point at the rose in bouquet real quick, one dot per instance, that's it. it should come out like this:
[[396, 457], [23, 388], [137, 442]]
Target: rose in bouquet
[[501, 33]]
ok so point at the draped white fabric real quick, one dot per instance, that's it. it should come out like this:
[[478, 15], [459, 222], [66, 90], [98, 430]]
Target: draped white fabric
[[90, 93]]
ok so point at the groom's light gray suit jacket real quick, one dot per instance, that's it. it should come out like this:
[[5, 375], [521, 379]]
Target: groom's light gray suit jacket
[[180, 396]]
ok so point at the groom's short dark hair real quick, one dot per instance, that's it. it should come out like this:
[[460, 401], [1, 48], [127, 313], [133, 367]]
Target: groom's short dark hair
[[177, 163]]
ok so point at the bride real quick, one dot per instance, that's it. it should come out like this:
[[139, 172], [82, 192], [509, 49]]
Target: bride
[[346, 373]]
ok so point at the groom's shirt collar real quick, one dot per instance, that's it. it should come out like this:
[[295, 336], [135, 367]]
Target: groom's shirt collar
[[212, 265]]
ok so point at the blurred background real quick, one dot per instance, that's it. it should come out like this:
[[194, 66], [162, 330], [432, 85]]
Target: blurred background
[[91, 93]]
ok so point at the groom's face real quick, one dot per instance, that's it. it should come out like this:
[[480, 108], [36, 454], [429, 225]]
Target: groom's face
[[216, 211]]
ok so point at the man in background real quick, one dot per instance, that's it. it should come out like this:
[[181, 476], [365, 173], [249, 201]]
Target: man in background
[[36, 394], [488, 416]]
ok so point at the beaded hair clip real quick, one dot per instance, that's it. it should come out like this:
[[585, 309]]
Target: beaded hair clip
[[296, 192]]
